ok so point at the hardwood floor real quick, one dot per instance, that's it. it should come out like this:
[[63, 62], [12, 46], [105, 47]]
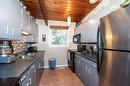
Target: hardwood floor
[[60, 77]]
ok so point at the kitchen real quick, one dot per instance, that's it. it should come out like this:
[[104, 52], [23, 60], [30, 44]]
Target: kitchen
[[64, 43]]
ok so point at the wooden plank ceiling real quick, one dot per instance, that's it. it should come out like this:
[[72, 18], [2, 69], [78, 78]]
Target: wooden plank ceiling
[[58, 9]]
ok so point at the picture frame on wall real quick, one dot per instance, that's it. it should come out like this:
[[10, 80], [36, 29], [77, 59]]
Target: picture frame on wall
[[43, 37]]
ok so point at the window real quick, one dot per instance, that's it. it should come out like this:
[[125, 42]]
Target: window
[[59, 38]]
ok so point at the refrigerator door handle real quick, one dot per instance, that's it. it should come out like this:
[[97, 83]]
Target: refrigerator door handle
[[100, 48]]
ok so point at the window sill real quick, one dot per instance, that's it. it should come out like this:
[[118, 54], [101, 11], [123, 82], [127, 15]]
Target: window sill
[[59, 46]]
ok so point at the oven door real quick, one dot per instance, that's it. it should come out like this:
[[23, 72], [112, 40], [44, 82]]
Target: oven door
[[68, 58]]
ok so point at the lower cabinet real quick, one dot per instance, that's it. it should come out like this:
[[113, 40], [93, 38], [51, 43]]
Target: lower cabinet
[[31, 79], [86, 70], [23, 81], [93, 80], [28, 78], [33, 74], [39, 71]]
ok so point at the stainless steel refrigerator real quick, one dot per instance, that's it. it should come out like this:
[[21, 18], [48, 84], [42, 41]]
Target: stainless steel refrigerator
[[114, 48]]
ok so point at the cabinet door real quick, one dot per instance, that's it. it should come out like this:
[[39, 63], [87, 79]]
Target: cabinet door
[[84, 72], [32, 23], [77, 66], [4, 31], [25, 83], [4, 22], [9, 19], [29, 23], [15, 26], [39, 69], [93, 77], [24, 19], [17, 30], [31, 76], [35, 32], [31, 38], [42, 60], [38, 73]]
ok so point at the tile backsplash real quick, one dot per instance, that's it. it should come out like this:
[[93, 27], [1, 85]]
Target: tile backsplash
[[18, 46]]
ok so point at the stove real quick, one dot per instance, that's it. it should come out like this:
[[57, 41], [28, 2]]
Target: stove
[[70, 57]]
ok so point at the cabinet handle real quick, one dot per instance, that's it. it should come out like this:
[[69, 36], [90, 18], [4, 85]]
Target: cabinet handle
[[32, 67], [94, 65], [39, 66], [22, 78], [35, 70], [21, 25], [27, 84], [7, 31], [86, 69], [21, 11], [89, 71], [12, 31], [29, 81]]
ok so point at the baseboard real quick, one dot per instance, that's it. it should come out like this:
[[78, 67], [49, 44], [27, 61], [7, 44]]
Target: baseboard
[[61, 65], [57, 66]]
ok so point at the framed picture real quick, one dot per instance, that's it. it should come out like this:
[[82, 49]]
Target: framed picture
[[43, 37]]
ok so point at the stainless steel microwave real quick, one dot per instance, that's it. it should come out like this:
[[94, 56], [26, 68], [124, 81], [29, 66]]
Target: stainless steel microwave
[[77, 38]]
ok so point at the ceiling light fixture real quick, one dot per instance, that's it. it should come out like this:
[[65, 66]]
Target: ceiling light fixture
[[69, 18], [92, 1]]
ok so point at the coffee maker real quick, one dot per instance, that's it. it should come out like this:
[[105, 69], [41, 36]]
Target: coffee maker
[[6, 52], [31, 48]]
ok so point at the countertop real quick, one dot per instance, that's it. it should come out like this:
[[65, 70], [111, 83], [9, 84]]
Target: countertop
[[89, 56], [16, 68]]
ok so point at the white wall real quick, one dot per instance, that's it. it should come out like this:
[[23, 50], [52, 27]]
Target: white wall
[[60, 53]]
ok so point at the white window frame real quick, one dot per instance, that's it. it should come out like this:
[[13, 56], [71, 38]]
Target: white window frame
[[51, 45]]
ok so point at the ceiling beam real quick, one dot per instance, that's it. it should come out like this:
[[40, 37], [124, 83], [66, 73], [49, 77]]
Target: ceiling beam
[[43, 10]]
